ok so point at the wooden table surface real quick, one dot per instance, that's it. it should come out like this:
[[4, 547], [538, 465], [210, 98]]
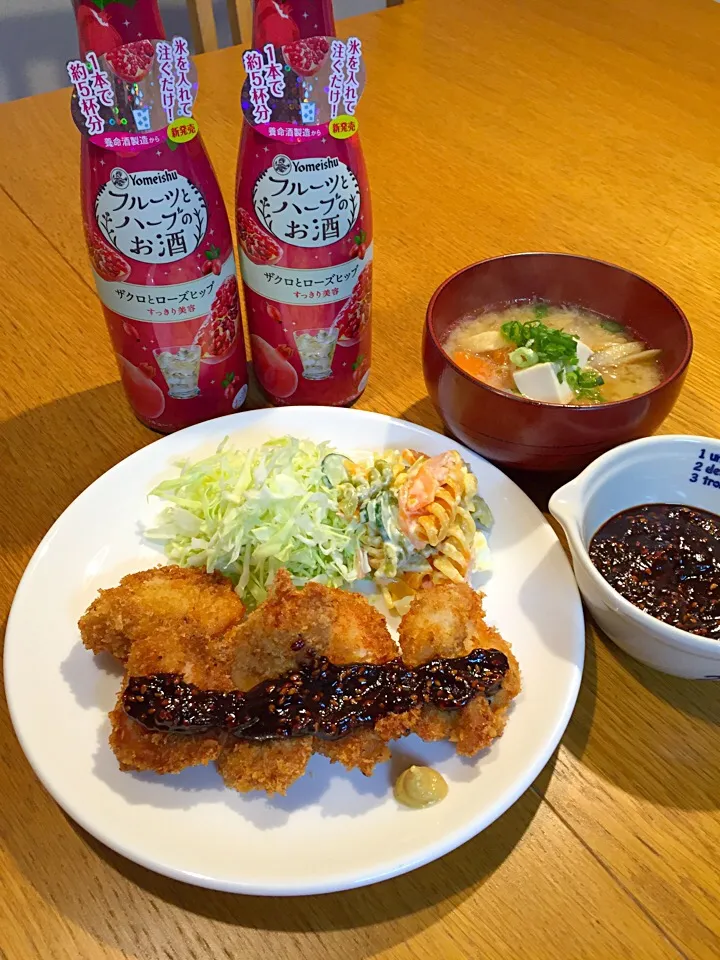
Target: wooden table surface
[[489, 126]]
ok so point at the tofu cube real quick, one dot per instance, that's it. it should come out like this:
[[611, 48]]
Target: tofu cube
[[583, 354], [485, 342], [541, 383]]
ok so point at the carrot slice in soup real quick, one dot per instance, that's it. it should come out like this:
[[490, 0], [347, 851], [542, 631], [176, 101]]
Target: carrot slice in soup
[[482, 368]]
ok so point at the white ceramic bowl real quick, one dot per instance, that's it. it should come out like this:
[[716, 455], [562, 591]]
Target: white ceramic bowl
[[675, 469]]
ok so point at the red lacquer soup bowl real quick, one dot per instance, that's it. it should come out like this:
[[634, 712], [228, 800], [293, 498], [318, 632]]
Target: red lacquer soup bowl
[[527, 434]]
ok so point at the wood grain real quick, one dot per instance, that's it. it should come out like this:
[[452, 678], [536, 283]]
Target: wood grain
[[240, 17], [202, 25], [587, 128]]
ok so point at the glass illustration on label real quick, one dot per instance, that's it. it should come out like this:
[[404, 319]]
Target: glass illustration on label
[[311, 202], [181, 368], [153, 216], [316, 349]]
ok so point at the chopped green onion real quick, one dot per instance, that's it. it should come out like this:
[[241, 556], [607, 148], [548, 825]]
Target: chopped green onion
[[550, 345], [535, 342], [541, 310], [585, 383], [514, 331], [524, 357], [612, 326]]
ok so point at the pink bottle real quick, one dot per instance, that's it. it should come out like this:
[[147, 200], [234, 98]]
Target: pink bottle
[[156, 225], [303, 208]]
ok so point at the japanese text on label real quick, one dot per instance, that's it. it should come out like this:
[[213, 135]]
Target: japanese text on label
[[93, 91], [312, 202], [154, 216], [266, 79], [305, 288], [164, 303], [343, 84]]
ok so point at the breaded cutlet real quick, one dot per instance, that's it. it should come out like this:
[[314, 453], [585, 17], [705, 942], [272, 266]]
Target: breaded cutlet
[[448, 620], [326, 622], [205, 661], [292, 622], [164, 620], [273, 640], [188, 623], [188, 601]]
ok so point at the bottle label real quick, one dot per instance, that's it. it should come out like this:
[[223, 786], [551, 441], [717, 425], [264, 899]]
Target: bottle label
[[134, 96], [183, 367], [163, 303], [304, 287], [311, 202], [153, 216], [305, 90]]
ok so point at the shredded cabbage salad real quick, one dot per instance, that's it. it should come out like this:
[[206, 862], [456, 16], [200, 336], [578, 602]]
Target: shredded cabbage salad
[[247, 513], [295, 504]]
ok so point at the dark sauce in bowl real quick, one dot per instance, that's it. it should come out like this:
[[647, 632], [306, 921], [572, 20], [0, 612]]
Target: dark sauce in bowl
[[665, 559]]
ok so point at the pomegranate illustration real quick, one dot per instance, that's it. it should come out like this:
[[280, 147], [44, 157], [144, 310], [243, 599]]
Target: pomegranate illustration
[[256, 242], [306, 57], [132, 61], [218, 334], [106, 261], [355, 315], [274, 23], [96, 31]]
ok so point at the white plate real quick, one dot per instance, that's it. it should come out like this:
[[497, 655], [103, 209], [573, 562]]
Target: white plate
[[334, 829]]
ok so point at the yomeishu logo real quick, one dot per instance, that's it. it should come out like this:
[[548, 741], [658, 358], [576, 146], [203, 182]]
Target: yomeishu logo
[[317, 165], [146, 180]]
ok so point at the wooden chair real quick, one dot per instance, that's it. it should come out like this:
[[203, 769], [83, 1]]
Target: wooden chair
[[204, 31]]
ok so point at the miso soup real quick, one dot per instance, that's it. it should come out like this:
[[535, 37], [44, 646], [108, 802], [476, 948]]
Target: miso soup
[[555, 354]]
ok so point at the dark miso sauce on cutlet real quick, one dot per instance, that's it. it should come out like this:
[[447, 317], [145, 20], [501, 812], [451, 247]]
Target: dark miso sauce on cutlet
[[317, 698]]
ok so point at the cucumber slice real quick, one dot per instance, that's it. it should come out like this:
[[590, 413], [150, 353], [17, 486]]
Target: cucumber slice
[[483, 514], [334, 468]]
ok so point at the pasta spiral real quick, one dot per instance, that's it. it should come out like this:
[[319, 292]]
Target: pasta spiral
[[454, 555], [420, 528], [433, 523]]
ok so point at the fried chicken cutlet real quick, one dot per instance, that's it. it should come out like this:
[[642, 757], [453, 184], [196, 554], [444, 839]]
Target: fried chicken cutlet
[[165, 620], [203, 660], [273, 640], [448, 620], [189, 602], [271, 766], [145, 620], [278, 636], [206, 662]]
